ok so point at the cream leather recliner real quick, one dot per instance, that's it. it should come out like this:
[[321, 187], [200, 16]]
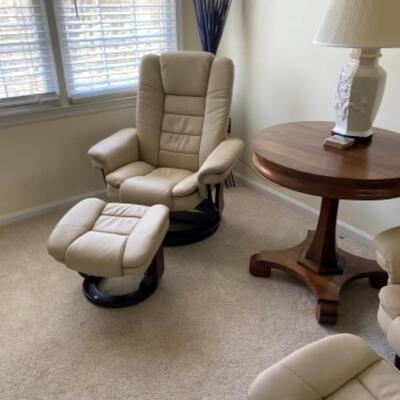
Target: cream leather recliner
[[388, 257], [338, 367], [178, 154]]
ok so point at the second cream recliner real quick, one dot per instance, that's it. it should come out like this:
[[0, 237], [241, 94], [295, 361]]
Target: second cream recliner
[[178, 155], [388, 257]]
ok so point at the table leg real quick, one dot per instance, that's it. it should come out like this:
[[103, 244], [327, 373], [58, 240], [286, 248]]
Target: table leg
[[320, 265], [321, 254]]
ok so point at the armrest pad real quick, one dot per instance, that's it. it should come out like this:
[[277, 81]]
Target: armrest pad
[[393, 335], [388, 253], [220, 162], [389, 296], [117, 150]]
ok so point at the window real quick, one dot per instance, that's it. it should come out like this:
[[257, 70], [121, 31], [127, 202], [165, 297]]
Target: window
[[77, 49], [102, 46], [26, 61]]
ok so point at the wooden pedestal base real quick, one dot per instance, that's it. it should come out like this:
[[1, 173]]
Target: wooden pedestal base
[[326, 287], [147, 286]]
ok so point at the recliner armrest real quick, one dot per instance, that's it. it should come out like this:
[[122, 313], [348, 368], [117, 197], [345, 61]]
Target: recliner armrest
[[220, 162], [388, 253], [117, 150]]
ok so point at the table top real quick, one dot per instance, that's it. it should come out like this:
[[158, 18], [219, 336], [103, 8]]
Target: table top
[[293, 155]]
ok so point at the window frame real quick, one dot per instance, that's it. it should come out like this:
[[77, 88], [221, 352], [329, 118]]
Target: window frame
[[65, 107]]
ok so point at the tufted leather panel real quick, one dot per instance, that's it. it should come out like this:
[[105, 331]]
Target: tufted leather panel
[[182, 117], [73, 224], [178, 70], [184, 105], [154, 188], [109, 239], [137, 168], [180, 141], [149, 108]]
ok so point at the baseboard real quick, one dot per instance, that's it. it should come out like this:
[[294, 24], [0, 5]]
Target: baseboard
[[48, 207], [343, 229]]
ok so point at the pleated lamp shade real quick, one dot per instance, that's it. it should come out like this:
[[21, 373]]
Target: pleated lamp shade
[[361, 24]]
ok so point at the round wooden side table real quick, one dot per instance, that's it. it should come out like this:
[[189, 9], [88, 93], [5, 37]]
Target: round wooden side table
[[293, 156]]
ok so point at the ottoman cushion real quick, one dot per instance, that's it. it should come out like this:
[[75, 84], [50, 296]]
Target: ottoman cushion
[[109, 239], [338, 367]]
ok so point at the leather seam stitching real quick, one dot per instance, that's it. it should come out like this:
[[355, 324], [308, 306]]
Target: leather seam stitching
[[205, 114], [161, 124], [181, 196], [188, 95], [182, 133], [356, 377], [301, 380], [366, 388], [111, 233], [178, 152], [120, 216], [185, 115], [72, 226], [90, 229], [122, 252], [388, 312]]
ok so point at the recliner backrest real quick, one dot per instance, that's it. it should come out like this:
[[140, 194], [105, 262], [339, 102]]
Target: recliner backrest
[[183, 107]]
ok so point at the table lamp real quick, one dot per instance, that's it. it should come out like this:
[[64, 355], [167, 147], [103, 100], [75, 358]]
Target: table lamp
[[366, 26]]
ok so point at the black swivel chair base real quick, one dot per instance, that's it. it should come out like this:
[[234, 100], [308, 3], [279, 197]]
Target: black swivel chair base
[[147, 287], [187, 227]]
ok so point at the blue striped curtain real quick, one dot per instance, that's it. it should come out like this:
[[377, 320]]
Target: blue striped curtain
[[211, 16]]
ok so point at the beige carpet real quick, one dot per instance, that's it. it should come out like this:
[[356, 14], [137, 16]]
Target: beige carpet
[[205, 334]]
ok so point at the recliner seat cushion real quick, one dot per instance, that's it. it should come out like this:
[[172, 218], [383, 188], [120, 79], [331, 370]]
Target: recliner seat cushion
[[137, 168], [109, 239], [156, 187]]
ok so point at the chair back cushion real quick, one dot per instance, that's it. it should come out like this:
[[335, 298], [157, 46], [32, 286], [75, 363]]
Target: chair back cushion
[[183, 107]]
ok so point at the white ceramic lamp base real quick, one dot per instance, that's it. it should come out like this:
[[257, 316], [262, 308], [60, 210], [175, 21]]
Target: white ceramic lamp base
[[359, 95]]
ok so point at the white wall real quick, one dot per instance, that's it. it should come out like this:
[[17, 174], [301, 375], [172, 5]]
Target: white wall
[[46, 161], [190, 35], [282, 77]]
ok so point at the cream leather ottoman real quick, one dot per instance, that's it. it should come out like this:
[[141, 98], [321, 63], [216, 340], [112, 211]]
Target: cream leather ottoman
[[101, 240], [339, 367]]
